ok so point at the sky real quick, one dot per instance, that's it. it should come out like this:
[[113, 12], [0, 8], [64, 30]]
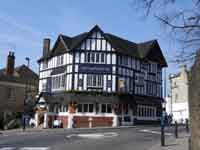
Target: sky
[[24, 24]]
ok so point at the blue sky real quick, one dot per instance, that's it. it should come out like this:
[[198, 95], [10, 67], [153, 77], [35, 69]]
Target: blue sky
[[24, 24]]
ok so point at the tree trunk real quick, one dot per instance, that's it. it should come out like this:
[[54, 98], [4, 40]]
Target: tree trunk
[[194, 104]]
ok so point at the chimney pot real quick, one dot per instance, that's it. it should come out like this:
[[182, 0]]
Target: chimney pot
[[10, 63], [46, 46]]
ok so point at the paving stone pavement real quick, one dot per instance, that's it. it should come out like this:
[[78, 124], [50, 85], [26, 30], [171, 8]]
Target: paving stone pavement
[[171, 143]]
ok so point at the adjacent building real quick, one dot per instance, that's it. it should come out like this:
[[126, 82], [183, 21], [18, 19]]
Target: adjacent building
[[17, 84], [99, 79], [178, 100]]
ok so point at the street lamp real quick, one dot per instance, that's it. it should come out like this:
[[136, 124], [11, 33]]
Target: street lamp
[[28, 61]]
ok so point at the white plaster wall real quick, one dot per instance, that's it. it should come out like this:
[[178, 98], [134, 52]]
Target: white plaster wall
[[180, 111]]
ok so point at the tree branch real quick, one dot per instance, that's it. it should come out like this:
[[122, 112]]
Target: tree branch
[[176, 26]]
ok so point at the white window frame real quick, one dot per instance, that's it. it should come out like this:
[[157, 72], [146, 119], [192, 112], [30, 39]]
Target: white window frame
[[100, 106], [94, 78], [91, 57], [61, 84], [60, 60], [82, 107]]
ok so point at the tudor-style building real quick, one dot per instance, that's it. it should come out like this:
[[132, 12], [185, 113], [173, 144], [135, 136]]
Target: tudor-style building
[[99, 79]]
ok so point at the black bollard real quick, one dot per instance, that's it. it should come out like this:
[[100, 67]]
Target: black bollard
[[176, 130], [187, 125], [24, 124], [162, 138]]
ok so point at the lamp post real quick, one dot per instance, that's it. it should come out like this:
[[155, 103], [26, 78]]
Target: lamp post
[[163, 113], [24, 113], [26, 97], [163, 125]]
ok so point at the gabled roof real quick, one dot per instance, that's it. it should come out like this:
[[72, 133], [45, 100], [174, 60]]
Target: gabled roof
[[149, 50], [121, 45], [152, 51], [21, 75]]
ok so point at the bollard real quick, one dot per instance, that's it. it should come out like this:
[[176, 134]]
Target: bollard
[[73, 123], [187, 125], [176, 130], [24, 123], [162, 138], [90, 122]]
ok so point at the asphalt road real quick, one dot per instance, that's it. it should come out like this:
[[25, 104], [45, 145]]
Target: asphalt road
[[136, 138]]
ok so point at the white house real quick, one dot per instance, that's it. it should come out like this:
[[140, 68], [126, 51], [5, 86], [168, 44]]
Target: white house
[[177, 102]]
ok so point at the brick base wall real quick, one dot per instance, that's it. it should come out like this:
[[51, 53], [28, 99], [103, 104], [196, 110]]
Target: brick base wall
[[83, 121], [102, 121]]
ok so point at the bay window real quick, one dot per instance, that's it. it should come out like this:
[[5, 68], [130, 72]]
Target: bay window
[[58, 82]]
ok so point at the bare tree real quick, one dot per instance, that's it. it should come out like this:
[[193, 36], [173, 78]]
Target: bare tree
[[181, 18]]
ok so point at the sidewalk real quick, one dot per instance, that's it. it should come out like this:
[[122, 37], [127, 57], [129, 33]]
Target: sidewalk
[[16, 131], [171, 143], [53, 130]]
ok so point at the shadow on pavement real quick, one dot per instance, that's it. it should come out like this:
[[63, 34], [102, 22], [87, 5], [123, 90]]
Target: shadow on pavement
[[168, 145]]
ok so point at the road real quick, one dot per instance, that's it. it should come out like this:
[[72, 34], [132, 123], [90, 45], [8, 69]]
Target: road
[[136, 138]]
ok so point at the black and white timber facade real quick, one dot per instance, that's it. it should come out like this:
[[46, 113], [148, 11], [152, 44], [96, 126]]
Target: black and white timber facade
[[97, 74]]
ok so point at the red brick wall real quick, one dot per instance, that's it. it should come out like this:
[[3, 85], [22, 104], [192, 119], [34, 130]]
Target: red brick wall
[[82, 121], [64, 120], [102, 121]]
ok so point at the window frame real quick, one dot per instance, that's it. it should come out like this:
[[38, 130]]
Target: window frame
[[95, 81], [83, 108]]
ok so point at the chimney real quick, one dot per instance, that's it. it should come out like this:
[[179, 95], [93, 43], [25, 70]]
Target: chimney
[[10, 63], [46, 46]]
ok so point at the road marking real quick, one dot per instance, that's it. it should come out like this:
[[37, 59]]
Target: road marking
[[25, 148], [154, 132], [34, 148], [7, 148], [94, 135]]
